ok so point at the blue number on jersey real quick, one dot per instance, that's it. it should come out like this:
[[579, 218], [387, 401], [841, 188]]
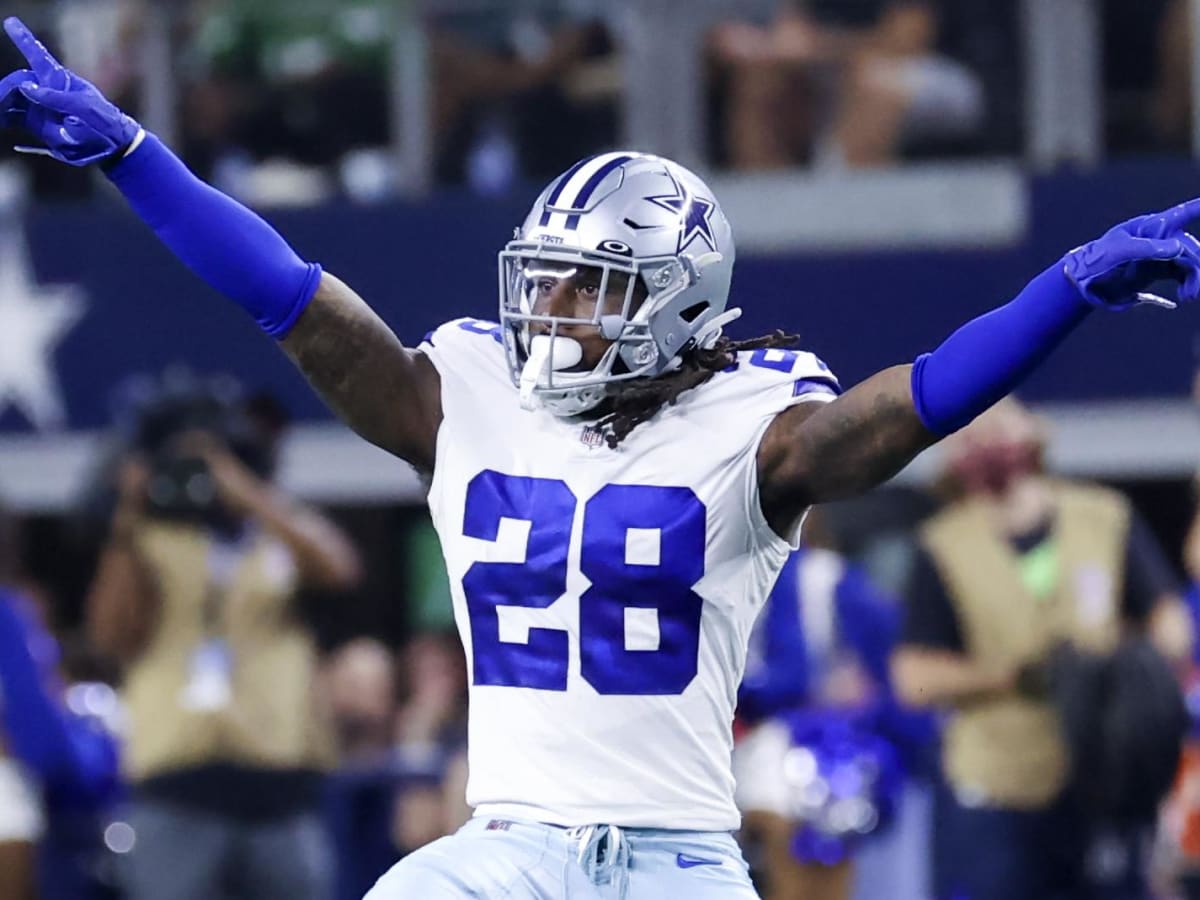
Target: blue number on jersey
[[785, 361], [478, 326], [659, 580], [539, 581], [773, 358], [642, 549]]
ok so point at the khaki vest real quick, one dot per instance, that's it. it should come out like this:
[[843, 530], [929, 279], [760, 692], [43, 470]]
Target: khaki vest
[[271, 719], [1009, 751]]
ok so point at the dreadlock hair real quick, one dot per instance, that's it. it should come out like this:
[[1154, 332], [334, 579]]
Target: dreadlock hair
[[641, 399]]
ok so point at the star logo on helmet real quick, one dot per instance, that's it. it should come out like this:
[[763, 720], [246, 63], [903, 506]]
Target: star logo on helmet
[[695, 214]]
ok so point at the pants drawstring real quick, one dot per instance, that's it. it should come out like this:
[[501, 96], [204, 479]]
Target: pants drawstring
[[603, 855]]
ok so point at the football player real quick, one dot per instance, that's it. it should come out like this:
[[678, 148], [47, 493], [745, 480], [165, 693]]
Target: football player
[[615, 483]]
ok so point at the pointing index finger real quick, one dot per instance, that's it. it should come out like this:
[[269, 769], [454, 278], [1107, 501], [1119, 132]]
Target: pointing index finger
[[44, 65], [1179, 216]]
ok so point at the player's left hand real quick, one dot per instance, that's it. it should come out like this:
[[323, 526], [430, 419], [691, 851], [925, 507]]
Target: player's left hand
[[74, 122], [1116, 270]]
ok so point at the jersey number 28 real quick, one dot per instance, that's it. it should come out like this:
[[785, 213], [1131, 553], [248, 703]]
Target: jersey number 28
[[642, 550]]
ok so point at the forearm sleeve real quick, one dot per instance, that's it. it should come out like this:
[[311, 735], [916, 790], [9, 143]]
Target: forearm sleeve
[[229, 246], [986, 358]]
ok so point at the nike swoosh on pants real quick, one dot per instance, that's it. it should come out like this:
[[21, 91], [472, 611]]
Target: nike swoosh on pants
[[686, 862]]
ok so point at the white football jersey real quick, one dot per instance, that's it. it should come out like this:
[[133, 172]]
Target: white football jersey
[[605, 597]]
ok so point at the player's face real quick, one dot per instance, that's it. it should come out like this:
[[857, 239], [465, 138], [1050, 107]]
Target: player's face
[[574, 292]]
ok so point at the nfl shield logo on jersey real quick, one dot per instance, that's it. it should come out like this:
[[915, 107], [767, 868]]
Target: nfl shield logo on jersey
[[592, 436]]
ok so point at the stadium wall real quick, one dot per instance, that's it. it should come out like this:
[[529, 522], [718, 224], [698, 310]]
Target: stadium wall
[[138, 311]]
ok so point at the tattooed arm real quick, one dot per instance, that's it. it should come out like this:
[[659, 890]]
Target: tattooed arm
[[869, 434], [389, 394], [814, 452]]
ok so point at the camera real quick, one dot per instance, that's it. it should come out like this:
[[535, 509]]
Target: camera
[[180, 485]]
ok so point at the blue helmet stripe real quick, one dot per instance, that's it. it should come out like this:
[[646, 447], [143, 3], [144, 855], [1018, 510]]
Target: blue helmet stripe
[[558, 189], [590, 186]]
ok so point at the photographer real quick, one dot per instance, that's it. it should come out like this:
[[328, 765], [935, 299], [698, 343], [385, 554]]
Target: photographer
[[1044, 621], [194, 594]]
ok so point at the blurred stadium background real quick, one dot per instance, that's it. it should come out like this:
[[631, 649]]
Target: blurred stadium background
[[890, 169]]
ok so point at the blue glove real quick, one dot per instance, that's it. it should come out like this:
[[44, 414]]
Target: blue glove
[[1114, 271], [224, 243], [75, 122]]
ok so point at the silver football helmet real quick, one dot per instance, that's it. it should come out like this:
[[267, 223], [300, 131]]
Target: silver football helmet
[[632, 213]]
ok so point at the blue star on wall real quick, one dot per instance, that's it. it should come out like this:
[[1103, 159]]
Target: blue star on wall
[[695, 214]]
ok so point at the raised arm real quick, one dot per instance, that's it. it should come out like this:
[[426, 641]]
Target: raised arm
[[389, 395], [811, 454]]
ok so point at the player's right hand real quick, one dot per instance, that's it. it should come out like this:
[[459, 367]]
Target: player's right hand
[[72, 121]]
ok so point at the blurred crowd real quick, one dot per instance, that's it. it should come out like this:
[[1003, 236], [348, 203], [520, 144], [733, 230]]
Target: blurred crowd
[[988, 688], [186, 733], [295, 102]]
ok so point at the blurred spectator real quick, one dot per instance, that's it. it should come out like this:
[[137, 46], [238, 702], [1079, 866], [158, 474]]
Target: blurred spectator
[[310, 83], [194, 594], [818, 767], [431, 730], [98, 40], [432, 715], [1146, 91], [382, 805], [851, 83], [305, 82], [521, 89], [1170, 81], [360, 678], [1021, 575], [360, 681], [59, 779]]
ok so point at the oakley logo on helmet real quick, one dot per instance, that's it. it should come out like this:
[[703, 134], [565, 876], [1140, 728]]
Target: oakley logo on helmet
[[619, 247]]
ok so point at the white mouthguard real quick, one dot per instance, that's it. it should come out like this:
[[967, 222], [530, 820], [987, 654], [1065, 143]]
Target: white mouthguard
[[546, 355]]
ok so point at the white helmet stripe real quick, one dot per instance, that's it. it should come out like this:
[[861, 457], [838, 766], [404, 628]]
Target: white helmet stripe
[[558, 189], [589, 187], [575, 188], [582, 183]]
